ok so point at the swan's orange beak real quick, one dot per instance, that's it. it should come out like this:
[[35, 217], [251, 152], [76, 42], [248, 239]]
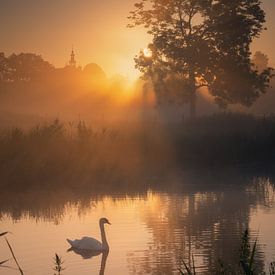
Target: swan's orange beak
[[108, 222]]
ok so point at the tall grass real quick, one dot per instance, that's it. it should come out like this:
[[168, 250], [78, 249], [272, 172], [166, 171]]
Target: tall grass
[[50, 154], [58, 264], [13, 255], [247, 262], [3, 234], [226, 139], [79, 155]]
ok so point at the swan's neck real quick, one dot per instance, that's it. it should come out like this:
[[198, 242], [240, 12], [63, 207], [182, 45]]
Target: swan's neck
[[103, 237]]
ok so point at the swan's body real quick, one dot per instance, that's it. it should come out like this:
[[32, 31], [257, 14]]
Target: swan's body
[[88, 243]]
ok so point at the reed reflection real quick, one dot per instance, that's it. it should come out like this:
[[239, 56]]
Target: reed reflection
[[207, 222]]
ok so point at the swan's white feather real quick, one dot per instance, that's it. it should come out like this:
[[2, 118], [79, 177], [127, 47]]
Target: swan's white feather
[[86, 243]]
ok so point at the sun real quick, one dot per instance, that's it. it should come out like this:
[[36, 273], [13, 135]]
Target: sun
[[147, 52]]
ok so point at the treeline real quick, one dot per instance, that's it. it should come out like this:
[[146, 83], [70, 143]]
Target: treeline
[[23, 67], [28, 67], [31, 90]]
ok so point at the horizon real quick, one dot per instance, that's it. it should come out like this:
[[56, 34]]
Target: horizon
[[82, 25]]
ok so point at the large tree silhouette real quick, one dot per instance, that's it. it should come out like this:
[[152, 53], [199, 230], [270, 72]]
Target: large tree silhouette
[[198, 43]]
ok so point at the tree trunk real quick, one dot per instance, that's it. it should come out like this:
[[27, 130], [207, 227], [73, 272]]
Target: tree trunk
[[193, 104], [193, 90]]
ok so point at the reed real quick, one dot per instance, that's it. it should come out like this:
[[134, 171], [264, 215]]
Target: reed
[[3, 234], [189, 270], [247, 257], [58, 265], [247, 262], [272, 268], [13, 255], [55, 152], [1, 263]]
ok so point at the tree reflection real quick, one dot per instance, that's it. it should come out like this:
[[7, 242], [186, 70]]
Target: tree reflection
[[207, 221], [207, 224]]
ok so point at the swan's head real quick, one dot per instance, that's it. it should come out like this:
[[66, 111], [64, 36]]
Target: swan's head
[[104, 220]]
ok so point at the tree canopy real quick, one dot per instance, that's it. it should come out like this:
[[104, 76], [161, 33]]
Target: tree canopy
[[260, 61], [23, 67], [198, 43]]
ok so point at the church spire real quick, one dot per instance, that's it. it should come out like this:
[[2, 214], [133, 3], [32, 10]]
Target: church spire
[[72, 62]]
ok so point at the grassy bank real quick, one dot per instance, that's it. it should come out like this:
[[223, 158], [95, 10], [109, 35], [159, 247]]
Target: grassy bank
[[226, 139], [76, 154]]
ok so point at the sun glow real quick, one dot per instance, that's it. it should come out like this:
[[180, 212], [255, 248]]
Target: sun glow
[[147, 52]]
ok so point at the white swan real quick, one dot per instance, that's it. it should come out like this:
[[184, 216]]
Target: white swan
[[87, 243]]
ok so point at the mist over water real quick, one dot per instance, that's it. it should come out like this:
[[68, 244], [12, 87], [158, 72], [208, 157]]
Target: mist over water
[[152, 230]]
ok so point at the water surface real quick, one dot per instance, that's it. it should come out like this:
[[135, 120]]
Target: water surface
[[151, 231]]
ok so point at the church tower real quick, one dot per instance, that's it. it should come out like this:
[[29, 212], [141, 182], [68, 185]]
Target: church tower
[[72, 62]]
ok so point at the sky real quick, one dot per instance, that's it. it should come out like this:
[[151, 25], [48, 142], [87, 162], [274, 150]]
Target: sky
[[95, 28]]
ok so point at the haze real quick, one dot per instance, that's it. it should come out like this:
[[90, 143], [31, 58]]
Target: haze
[[96, 29], [160, 146]]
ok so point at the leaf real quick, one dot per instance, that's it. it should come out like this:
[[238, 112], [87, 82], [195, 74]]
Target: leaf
[[3, 262], [12, 253], [4, 233], [246, 269], [252, 255]]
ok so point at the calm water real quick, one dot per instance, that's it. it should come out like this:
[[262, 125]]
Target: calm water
[[150, 232]]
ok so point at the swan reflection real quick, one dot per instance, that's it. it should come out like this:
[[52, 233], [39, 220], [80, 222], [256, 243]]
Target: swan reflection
[[85, 254], [88, 254]]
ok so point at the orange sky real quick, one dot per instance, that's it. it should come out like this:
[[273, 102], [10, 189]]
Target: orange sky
[[97, 29]]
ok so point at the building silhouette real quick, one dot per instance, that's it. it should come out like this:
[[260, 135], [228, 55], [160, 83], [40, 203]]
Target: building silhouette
[[72, 62]]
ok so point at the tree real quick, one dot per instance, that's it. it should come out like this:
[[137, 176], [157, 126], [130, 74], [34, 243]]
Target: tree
[[260, 61], [4, 67], [23, 67], [202, 43]]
